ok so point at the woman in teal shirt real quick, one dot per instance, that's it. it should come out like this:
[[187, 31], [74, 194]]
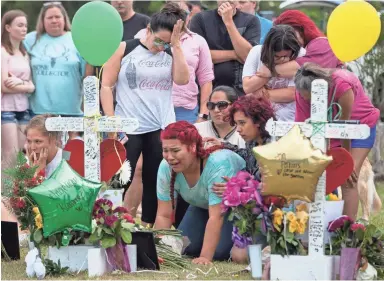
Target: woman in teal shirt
[[191, 171]]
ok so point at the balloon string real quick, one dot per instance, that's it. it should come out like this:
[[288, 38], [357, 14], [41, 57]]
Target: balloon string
[[285, 234]]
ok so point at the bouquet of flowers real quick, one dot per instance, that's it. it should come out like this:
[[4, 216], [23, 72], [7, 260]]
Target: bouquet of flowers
[[281, 236], [250, 216], [16, 183]]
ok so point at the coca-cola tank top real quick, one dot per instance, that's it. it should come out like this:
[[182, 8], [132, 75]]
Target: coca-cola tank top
[[144, 88]]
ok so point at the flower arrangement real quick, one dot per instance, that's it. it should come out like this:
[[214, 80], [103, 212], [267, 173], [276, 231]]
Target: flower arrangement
[[247, 209], [16, 183], [348, 233], [281, 236]]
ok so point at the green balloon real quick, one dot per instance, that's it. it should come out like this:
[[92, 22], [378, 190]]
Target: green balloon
[[97, 30], [65, 201]]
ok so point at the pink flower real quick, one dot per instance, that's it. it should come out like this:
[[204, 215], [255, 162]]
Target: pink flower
[[120, 210], [244, 176], [338, 223], [128, 218], [357, 226], [232, 199], [110, 220]]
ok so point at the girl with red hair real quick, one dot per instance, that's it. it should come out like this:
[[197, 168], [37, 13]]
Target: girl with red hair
[[250, 115], [311, 38], [191, 171]]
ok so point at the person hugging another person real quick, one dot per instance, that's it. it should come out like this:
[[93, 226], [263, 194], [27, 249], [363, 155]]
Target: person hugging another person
[[219, 104], [344, 89], [190, 170], [280, 46], [143, 71]]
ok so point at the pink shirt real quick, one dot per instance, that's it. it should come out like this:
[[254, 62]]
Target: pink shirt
[[362, 110], [18, 66], [198, 56]]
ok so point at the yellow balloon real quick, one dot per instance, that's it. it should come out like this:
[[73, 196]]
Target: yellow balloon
[[291, 167], [353, 29]]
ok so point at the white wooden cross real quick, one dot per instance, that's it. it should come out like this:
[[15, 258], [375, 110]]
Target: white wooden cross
[[315, 266], [91, 124]]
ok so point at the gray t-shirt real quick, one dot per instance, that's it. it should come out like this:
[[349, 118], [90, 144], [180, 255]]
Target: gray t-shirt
[[283, 111], [144, 88]]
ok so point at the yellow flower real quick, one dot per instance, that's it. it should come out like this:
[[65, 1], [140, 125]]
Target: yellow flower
[[277, 218], [291, 216], [36, 210], [301, 207], [293, 226], [301, 228], [333, 197], [39, 221], [302, 216]]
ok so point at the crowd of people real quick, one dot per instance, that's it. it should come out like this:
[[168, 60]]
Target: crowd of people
[[202, 83]]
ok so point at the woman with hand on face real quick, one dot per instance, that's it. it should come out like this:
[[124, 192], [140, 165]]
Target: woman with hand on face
[[190, 170], [346, 90], [143, 71], [280, 46], [42, 149], [16, 84]]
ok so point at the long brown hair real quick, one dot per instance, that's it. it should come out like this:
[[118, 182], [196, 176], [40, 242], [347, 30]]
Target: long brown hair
[[7, 19], [40, 29]]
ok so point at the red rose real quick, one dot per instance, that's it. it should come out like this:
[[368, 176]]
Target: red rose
[[278, 202], [128, 218], [20, 203], [356, 226]]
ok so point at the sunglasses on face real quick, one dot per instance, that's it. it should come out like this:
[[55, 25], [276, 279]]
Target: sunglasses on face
[[221, 105], [160, 43]]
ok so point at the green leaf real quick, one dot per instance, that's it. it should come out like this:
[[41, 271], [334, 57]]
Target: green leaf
[[289, 236], [94, 237], [231, 216], [38, 236], [99, 229], [129, 226], [108, 230], [294, 243], [126, 235], [108, 241]]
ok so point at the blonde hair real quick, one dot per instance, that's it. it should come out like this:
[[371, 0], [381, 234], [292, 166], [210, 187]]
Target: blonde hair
[[38, 123], [40, 29]]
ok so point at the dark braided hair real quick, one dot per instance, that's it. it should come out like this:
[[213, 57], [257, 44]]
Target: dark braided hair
[[187, 134]]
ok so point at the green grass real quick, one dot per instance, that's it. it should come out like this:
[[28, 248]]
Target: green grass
[[15, 270]]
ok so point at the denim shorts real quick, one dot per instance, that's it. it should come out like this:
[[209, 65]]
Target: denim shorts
[[186, 114], [367, 143], [18, 117]]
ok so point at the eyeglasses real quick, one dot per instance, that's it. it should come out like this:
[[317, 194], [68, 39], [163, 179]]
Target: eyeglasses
[[221, 105], [160, 43]]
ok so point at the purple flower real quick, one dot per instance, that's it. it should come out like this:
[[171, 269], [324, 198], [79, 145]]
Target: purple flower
[[240, 241], [110, 220]]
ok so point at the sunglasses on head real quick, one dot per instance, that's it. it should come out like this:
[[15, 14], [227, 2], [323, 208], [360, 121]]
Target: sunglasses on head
[[160, 43], [221, 105]]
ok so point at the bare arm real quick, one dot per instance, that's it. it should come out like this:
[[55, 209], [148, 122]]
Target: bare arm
[[110, 74], [212, 232], [205, 91], [287, 70], [164, 215], [346, 103], [283, 95], [219, 56], [241, 46], [20, 86], [253, 83]]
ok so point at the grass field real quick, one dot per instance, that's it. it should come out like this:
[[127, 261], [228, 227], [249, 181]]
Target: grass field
[[15, 270]]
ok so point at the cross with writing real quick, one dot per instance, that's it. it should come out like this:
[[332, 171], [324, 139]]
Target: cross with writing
[[91, 124], [319, 131]]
